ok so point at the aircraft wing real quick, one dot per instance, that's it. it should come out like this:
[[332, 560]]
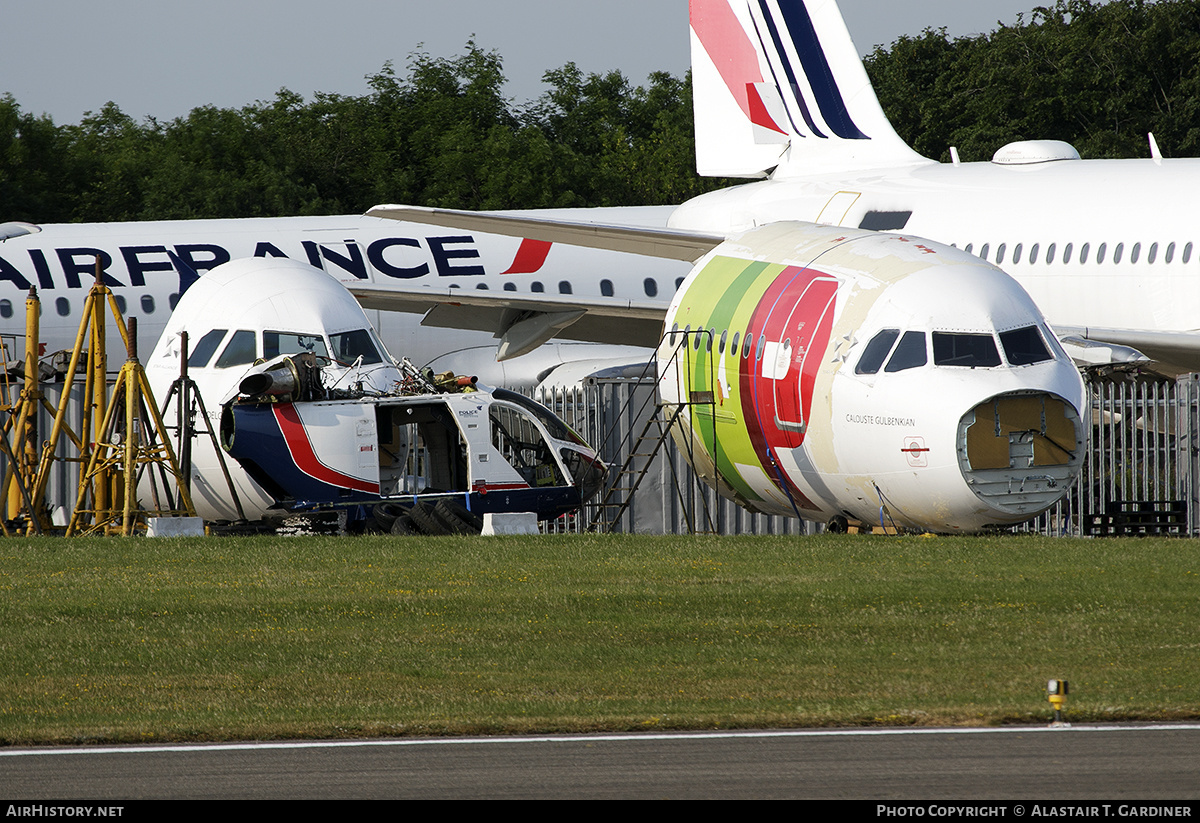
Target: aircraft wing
[[1170, 353], [671, 244], [524, 321]]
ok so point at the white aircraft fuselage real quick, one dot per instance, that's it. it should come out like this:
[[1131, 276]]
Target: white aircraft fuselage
[[1095, 243]]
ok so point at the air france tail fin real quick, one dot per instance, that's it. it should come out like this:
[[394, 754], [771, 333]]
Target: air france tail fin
[[778, 87]]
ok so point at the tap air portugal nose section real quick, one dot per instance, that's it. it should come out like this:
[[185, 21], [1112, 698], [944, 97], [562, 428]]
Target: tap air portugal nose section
[[879, 378]]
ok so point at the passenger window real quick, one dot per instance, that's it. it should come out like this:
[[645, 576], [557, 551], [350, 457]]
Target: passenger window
[[121, 304], [1100, 252], [1066, 253], [1024, 346], [909, 354], [148, 303], [1033, 254], [875, 351], [1083, 253], [970, 350], [1117, 252], [1152, 253], [1187, 253], [481, 286], [651, 287], [721, 345], [606, 288], [536, 287], [1017, 254], [1050, 254], [63, 306], [1170, 253], [733, 344], [6, 309], [968, 248], [199, 356], [510, 286], [564, 287], [239, 351], [1000, 254], [983, 252], [1135, 252]]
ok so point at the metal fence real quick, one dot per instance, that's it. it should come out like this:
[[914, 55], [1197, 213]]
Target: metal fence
[[1139, 476]]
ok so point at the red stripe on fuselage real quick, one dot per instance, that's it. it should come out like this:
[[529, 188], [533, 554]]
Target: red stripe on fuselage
[[797, 306], [530, 257], [306, 459]]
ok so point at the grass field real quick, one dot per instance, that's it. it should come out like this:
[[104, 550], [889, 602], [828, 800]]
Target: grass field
[[235, 638]]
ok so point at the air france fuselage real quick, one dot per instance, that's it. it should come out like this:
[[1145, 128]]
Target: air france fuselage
[[149, 264]]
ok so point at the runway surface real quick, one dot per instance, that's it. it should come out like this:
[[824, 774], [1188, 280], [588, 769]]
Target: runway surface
[[1033, 763]]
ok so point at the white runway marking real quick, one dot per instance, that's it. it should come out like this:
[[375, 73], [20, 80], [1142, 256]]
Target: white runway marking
[[581, 738]]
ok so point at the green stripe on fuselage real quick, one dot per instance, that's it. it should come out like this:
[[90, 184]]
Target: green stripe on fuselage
[[725, 294]]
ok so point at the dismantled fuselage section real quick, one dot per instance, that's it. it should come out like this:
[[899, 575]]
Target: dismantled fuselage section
[[325, 419]]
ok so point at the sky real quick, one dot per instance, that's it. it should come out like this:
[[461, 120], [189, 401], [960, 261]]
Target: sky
[[163, 58]]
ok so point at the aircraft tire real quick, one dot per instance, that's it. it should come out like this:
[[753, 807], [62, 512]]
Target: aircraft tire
[[837, 525], [404, 526], [457, 519], [385, 514], [422, 515]]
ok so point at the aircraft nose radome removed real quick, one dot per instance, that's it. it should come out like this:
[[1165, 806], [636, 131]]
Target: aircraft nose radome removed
[[872, 377]]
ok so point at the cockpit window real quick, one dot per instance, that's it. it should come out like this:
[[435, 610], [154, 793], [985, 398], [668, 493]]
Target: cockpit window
[[910, 352], [205, 349], [1024, 346], [239, 351], [276, 343], [969, 350], [876, 351], [349, 346]]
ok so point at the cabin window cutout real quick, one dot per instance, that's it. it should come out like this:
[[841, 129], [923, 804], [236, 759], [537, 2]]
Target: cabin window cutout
[[536, 287], [1135, 252], [521, 443], [206, 348], [1033, 254], [966, 350], [1000, 253], [983, 252], [1170, 253], [1083, 253], [875, 351], [1067, 253], [63, 306], [1152, 253], [276, 343], [1024, 346], [650, 285], [1117, 252], [1017, 254], [606, 288], [1100, 253], [733, 344], [122, 305], [6, 309], [421, 450], [910, 353], [239, 352], [1050, 254], [1187, 253], [510, 286], [148, 303], [564, 287]]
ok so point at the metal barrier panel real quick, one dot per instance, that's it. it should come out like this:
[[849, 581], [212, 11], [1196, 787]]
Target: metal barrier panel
[[1139, 476]]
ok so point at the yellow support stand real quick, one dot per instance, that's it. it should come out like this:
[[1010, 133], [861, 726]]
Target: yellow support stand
[[131, 439]]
